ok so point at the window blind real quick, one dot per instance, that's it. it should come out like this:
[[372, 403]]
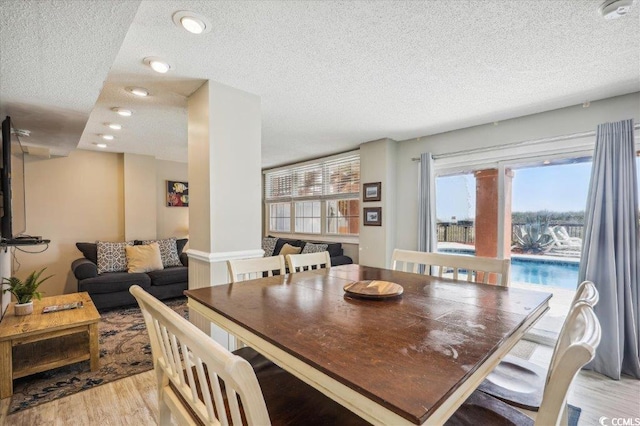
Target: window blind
[[338, 176]]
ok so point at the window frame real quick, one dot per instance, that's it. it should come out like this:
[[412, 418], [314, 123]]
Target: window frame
[[326, 165]]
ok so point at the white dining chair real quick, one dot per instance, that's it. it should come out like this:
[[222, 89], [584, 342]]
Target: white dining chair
[[477, 269], [200, 382], [305, 262], [575, 347], [520, 382], [250, 269]]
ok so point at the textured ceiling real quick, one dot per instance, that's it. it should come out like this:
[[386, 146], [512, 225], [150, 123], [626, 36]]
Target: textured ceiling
[[54, 58], [330, 75]]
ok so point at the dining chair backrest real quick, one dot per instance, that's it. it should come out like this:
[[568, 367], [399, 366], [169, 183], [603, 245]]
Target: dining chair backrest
[[304, 262], [190, 367], [586, 292], [250, 269], [477, 269], [576, 346]]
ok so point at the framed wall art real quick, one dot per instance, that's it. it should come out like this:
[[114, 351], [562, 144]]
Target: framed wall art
[[372, 191], [372, 216], [177, 194]]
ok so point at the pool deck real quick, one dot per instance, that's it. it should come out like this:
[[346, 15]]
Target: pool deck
[[546, 330]]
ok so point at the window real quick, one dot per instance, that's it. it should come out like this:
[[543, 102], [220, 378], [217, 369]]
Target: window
[[320, 197], [308, 217], [280, 217], [343, 217]]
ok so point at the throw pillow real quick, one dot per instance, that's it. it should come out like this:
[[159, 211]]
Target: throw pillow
[[269, 245], [314, 248], [143, 258], [289, 249], [89, 251], [111, 256], [168, 251]]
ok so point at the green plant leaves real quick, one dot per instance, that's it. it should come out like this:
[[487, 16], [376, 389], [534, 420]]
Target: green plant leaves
[[25, 291]]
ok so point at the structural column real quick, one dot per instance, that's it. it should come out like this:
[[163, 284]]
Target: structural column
[[487, 221], [378, 164], [225, 183]]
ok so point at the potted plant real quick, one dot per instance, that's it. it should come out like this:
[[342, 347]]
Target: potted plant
[[25, 291]]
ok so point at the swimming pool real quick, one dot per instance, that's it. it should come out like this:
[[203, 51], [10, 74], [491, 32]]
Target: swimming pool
[[547, 272]]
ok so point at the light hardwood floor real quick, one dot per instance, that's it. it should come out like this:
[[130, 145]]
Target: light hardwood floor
[[133, 401]]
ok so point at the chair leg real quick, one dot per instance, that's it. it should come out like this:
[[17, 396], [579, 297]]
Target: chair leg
[[164, 412]]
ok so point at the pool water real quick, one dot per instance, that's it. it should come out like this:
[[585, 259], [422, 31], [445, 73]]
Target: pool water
[[548, 273], [545, 272]]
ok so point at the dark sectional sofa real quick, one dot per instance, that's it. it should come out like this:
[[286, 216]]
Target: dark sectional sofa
[[111, 289], [335, 250]]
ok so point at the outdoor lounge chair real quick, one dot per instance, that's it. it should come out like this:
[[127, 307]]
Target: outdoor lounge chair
[[562, 240], [562, 233]]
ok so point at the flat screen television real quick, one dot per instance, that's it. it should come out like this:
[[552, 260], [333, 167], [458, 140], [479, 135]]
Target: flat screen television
[[13, 221]]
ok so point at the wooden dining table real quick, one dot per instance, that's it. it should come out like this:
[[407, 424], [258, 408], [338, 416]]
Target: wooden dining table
[[411, 359]]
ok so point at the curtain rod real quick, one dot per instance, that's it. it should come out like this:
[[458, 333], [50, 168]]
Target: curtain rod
[[513, 144]]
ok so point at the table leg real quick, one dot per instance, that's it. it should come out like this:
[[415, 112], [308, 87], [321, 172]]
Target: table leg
[[6, 370], [94, 348]]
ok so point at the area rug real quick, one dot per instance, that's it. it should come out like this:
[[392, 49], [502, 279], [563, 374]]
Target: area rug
[[124, 351]]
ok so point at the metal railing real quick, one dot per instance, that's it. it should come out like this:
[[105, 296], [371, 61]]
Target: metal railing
[[464, 231]]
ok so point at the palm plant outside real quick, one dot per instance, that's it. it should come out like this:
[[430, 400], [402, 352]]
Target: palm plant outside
[[532, 237]]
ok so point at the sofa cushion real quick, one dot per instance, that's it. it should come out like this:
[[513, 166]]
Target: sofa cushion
[[335, 249], [172, 275], [114, 282], [180, 243], [168, 251], [144, 258], [269, 245], [111, 256], [314, 248], [89, 250]]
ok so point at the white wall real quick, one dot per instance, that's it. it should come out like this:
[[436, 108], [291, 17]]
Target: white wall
[[558, 122], [171, 221]]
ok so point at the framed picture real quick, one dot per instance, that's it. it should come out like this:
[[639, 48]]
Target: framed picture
[[177, 194], [372, 216], [371, 191]]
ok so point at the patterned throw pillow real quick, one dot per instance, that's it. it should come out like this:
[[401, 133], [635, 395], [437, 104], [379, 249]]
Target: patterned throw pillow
[[269, 245], [314, 248], [112, 256], [168, 251]]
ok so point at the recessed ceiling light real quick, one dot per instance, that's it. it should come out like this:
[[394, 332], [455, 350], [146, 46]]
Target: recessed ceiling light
[[192, 22], [107, 137], [157, 64], [114, 126], [546, 162], [138, 91], [614, 9], [101, 145], [122, 111]]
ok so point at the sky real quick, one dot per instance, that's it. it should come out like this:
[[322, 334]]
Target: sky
[[557, 188]]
